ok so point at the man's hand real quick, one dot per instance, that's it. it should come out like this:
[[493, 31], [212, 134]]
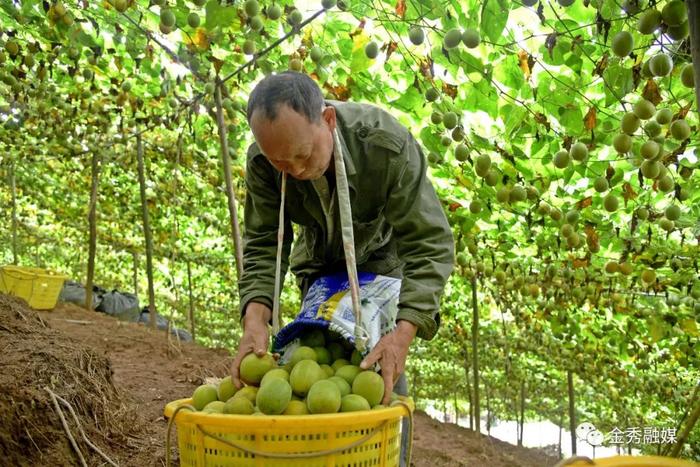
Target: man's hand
[[391, 352], [255, 337]]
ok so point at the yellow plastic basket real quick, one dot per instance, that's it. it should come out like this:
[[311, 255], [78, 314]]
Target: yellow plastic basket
[[39, 287], [367, 438], [627, 461]]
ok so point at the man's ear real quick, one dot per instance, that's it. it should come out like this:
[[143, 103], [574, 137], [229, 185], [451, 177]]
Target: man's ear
[[328, 115]]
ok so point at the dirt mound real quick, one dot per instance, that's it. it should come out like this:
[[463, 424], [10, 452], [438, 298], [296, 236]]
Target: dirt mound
[[35, 358]]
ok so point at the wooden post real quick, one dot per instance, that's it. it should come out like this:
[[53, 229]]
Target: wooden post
[[488, 407], [522, 412], [13, 194], [146, 232], [561, 424], [689, 424], [230, 194], [469, 392], [694, 26], [135, 256], [189, 288], [92, 225], [572, 411], [475, 357]]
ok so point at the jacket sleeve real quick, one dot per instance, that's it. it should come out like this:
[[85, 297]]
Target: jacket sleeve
[[261, 219], [424, 240]]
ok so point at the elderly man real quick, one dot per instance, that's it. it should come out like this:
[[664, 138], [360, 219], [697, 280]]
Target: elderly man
[[400, 229]]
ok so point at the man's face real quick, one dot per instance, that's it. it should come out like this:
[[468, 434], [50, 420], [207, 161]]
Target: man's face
[[294, 145]]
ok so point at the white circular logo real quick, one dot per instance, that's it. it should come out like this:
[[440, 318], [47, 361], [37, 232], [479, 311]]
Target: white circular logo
[[583, 429], [595, 438]]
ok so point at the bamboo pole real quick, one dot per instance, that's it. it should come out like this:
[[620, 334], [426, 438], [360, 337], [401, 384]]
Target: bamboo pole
[[475, 357], [694, 23], [135, 257], [572, 413], [13, 193], [146, 233], [689, 424], [230, 194], [92, 225], [189, 288]]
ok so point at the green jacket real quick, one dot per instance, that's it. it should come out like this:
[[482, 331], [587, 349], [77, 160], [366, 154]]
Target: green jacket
[[400, 228]]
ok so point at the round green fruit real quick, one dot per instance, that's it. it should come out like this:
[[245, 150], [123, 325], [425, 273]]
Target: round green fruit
[[561, 159], [193, 20], [601, 184], [214, 407], [416, 35], [475, 206], [622, 44], [452, 38], [461, 152], [323, 356], [642, 213], [328, 4], [503, 194], [667, 224], [339, 363], [572, 216], [251, 8], [255, 23], [578, 152], [372, 50], [611, 203], [471, 38], [369, 385], [649, 150], [295, 64], [247, 392], [324, 397], [648, 276], [274, 373], [666, 183], [296, 408], [273, 12], [249, 47], [644, 109], [492, 177], [630, 123], [316, 54], [239, 406], [649, 21], [353, 403], [678, 33], [343, 385], [450, 120], [652, 128], [436, 117], [167, 17], [672, 212], [688, 75], [226, 389], [566, 3], [660, 64], [445, 140], [336, 350], [664, 116], [674, 13], [203, 395], [517, 194], [482, 164], [273, 396], [348, 373], [304, 375], [650, 169], [680, 129], [295, 17], [253, 368], [431, 94], [622, 143]]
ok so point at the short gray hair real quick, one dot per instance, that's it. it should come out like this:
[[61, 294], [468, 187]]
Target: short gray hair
[[296, 90]]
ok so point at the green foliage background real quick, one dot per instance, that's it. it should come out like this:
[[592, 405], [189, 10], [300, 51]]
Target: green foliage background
[[542, 79]]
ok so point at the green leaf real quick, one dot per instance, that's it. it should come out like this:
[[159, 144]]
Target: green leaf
[[218, 15], [494, 16]]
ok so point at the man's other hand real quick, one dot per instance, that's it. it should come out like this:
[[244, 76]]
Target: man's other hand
[[391, 352]]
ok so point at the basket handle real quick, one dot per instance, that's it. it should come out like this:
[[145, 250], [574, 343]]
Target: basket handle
[[303, 455]]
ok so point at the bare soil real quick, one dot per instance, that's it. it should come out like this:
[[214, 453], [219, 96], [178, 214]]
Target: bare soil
[[118, 376]]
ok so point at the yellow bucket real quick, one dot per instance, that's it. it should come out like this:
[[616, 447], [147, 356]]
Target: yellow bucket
[[627, 461], [39, 287], [370, 438]]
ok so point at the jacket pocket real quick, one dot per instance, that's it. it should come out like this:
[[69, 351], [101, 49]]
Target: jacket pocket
[[369, 236]]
